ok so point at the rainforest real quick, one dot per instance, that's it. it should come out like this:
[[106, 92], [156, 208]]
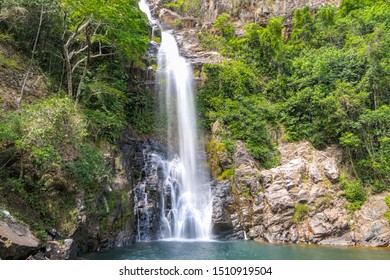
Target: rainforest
[[126, 124]]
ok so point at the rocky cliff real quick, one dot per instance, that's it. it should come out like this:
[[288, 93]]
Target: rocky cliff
[[189, 24], [256, 11], [299, 201]]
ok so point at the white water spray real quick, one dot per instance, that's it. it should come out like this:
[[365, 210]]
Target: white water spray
[[186, 203]]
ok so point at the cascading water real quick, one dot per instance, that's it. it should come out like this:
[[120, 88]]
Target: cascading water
[[185, 201]]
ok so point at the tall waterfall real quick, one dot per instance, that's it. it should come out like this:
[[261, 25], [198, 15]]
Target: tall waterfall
[[185, 197]]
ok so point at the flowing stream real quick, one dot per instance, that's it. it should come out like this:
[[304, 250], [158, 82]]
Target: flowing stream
[[185, 202]]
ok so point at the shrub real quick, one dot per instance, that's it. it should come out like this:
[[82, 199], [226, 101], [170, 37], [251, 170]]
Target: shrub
[[227, 174], [387, 199], [88, 168], [354, 192], [300, 211]]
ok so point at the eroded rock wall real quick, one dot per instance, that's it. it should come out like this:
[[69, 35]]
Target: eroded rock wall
[[257, 11], [299, 201]]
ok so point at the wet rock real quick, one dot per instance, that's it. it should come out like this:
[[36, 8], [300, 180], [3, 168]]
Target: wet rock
[[225, 223], [345, 240], [147, 192]]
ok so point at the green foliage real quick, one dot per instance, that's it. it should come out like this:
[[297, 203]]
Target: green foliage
[[141, 112], [214, 149], [88, 168], [123, 25], [327, 83], [387, 213], [300, 211], [9, 63], [186, 7], [387, 216], [224, 26], [192, 8], [354, 192], [105, 111], [227, 174], [40, 232], [10, 127], [54, 122], [222, 37], [387, 200], [46, 154], [230, 96]]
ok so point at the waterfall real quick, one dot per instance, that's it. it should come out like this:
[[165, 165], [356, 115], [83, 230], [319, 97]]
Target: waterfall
[[185, 197]]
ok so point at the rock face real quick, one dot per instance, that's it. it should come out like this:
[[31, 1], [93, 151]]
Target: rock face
[[257, 11], [371, 228], [147, 190], [16, 240], [226, 224], [298, 201], [174, 20], [61, 251], [242, 12]]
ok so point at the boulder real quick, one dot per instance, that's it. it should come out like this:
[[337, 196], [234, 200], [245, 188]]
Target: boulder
[[16, 239], [174, 20]]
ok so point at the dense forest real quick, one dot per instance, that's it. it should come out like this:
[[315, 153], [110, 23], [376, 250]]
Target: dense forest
[[54, 142], [325, 80]]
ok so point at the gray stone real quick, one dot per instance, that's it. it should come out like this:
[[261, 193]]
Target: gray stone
[[16, 240], [371, 228], [331, 170], [65, 250], [278, 198], [226, 223]]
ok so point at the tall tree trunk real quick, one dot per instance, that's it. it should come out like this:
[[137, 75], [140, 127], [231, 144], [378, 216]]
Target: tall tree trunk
[[82, 78], [69, 75], [69, 55]]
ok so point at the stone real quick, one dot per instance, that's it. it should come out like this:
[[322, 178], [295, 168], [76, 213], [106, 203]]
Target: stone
[[344, 240], [315, 174], [293, 172], [264, 202], [331, 170], [174, 20], [66, 250], [16, 240], [278, 198], [257, 11], [225, 221], [371, 227]]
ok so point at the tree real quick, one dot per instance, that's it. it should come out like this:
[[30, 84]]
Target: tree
[[98, 28]]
